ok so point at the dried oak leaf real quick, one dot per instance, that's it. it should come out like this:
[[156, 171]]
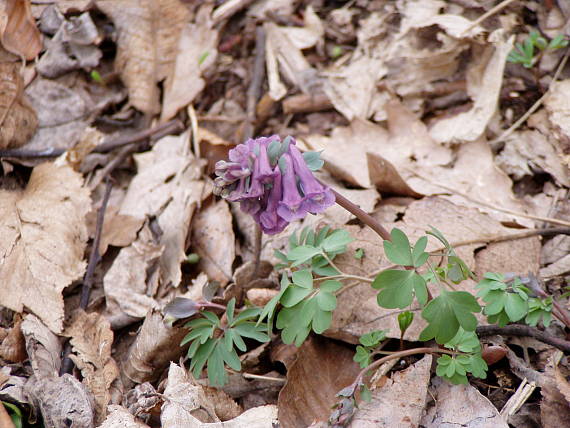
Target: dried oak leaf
[[21, 36], [43, 241], [18, 120], [91, 338], [148, 33]]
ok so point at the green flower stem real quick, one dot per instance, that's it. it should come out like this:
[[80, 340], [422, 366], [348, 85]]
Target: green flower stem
[[345, 276], [362, 216], [328, 259]]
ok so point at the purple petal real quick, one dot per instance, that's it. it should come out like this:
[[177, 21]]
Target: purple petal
[[270, 222], [290, 206]]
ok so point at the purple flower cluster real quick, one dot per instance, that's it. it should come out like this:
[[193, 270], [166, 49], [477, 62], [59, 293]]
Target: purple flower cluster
[[272, 182]]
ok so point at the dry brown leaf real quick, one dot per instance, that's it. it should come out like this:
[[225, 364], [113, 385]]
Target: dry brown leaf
[[119, 230], [119, 417], [460, 405], [195, 53], [155, 346], [43, 347], [18, 120], [91, 339], [167, 186], [557, 104], [148, 35], [484, 82], [13, 346], [386, 179], [43, 241], [213, 239], [128, 286], [313, 381], [21, 36], [398, 403]]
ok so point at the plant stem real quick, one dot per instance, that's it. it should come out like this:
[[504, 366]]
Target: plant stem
[[362, 216], [398, 355]]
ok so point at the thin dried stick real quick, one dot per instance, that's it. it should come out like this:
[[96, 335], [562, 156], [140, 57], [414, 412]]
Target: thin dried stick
[[94, 257], [158, 131], [524, 331], [487, 14]]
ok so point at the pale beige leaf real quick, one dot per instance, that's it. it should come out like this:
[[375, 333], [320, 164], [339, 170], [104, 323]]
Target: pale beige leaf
[[186, 403], [119, 230], [213, 239], [308, 35], [44, 349], [156, 345], [484, 81], [91, 338], [43, 241], [119, 417], [128, 288], [148, 34], [398, 403], [460, 405], [168, 187], [196, 52]]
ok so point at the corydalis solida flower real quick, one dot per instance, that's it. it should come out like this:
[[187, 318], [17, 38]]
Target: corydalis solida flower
[[272, 181]]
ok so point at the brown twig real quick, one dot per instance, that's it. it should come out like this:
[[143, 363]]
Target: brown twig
[[524, 331], [158, 131], [362, 216], [94, 257]]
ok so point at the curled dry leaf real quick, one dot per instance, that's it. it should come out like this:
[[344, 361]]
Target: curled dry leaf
[[148, 35], [63, 401], [119, 230], [91, 339], [18, 120], [156, 345], [21, 36], [60, 399], [315, 376], [13, 346], [460, 405], [43, 241], [398, 403], [43, 347], [213, 239]]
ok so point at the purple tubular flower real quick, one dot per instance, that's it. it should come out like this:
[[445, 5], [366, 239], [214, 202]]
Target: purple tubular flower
[[270, 222], [290, 205], [317, 197]]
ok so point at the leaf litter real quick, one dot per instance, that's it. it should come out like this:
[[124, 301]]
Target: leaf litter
[[416, 98]]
